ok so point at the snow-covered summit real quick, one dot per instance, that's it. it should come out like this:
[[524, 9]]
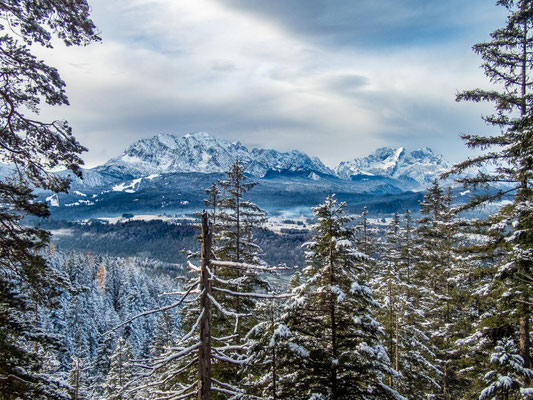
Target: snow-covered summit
[[421, 166], [200, 152]]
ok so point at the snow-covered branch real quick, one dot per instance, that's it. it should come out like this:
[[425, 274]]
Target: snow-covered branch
[[237, 265], [224, 311], [145, 313], [257, 295]]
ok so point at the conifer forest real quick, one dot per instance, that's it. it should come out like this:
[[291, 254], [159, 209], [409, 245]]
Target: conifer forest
[[431, 303]]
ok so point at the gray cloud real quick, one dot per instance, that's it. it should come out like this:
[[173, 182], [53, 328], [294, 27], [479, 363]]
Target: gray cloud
[[334, 78], [371, 23]]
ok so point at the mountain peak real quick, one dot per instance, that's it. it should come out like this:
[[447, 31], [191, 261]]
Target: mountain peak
[[197, 135], [200, 152], [420, 166]]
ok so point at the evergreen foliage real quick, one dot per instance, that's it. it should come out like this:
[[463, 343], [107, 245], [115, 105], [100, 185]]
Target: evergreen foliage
[[333, 330], [437, 271], [236, 218], [121, 371], [33, 147], [407, 337], [506, 379], [508, 61]]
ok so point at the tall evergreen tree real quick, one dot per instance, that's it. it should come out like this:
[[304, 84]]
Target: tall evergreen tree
[[121, 371], [407, 338], [33, 147], [508, 62], [333, 330], [207, 358], [237, 218], [437, 265], [265, 375]]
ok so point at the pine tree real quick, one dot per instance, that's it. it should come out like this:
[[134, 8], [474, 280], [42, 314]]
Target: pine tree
[[508, 61], [333, 330], [271, 370], [408, 343], [388, 290], [32, 147], [433, 270], [78, 379], [237, 218], [367, 239], [234, 242], [121, 371], [165, 332], [207, 358], [505, 381], [442, 272]]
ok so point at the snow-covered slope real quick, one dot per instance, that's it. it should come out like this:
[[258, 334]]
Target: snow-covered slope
[[200, 152], [421, 166]]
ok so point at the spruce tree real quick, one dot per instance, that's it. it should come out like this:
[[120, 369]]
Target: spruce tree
[[77, 379], [408, 342], [212, 347], [120, 373], [505, 381], [508, 61], [233, 240], [266, 375], [237, 217], [437, 267], [335, 337]]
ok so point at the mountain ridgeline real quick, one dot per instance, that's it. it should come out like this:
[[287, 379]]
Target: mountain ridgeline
[[167, 174], [203, 153]]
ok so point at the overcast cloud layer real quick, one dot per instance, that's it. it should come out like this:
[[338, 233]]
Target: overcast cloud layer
[[333, 78]]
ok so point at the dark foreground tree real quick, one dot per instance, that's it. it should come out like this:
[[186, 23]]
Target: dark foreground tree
[[32, 148], [508, 61]]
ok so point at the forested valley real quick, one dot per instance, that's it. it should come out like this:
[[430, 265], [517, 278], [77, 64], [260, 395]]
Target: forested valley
[[436, 304]]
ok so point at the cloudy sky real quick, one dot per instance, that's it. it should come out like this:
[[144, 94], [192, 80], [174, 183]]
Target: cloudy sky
[[333, 78]]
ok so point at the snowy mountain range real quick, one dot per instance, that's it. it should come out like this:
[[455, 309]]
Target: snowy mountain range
[[202, 153], [168, 174]]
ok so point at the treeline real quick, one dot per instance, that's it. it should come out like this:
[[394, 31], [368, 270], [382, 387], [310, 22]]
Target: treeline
[[164, 241]]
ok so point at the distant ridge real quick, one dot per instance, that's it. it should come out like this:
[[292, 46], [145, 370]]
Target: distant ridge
[[421, 166], [200, 152]]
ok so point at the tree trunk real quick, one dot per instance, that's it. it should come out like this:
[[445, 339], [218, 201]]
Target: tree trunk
[[204, 356], [524, 338], [525, 343], [274, 354], [333, 374]]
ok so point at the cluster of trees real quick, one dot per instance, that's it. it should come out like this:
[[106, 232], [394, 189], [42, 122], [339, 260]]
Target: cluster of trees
[[456, 295], [34, 148], [105, 292], [243, 337], [416, 312]]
